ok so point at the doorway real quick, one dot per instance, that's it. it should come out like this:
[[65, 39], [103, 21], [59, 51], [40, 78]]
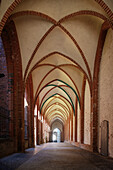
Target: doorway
[[56, 137]]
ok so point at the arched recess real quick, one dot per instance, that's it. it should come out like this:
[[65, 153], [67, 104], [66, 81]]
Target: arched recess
[[14, 64], [57, 124]]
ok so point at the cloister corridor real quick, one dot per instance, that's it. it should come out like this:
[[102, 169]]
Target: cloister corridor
[[56, 84]]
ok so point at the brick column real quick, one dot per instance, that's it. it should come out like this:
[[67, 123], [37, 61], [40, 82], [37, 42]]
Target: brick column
[[76, 119], [94, 122], [14, 64], [82, 112], [69, 127], [72, 127]]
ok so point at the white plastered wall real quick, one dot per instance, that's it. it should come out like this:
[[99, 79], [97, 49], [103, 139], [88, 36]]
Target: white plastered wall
[[30, 30], [106, 89], [53, 42], [87, 110], [85, 30]]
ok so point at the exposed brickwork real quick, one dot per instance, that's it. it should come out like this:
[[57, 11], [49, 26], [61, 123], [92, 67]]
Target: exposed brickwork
[[8, 13], [37, 47], [72, 127], [106, 8], [76, 123], [12, 52], [49, 91], [94, 132], [32, 109], [6, 122], [72, 38], [22, 13], [15, 73], [83, 12], [37, 125], [38, 92], [59, 24], [39, 132], [49, 105], [82, 111], [69, 127], [80, 50], [64, 29], [16, 2], [55, 52], [3, 80], [29, 94]]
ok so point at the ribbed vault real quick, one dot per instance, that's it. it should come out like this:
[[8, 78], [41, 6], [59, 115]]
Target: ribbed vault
[[58, 41]]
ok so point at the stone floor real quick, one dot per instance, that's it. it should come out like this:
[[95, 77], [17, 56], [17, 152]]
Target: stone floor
[[56, 156]]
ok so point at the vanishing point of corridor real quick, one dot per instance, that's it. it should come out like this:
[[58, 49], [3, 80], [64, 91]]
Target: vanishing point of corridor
[[56, 84], [57, 156]]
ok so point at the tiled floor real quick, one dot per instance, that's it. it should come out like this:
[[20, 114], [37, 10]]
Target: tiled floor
[[56, 156]]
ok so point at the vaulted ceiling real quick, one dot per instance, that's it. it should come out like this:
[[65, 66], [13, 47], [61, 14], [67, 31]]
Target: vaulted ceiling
[[58, 44]]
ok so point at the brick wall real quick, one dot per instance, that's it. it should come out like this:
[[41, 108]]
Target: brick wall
[[3, 80], [105, 107], [14, 89], [29, 98], [6, 142]]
